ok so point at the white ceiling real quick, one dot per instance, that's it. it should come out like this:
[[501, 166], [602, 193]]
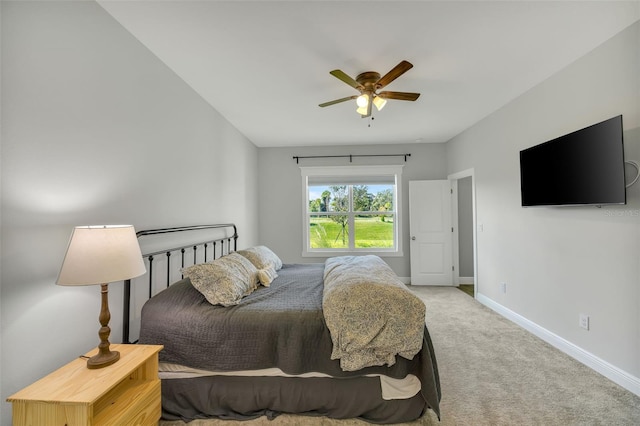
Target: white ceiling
[[264, 65]]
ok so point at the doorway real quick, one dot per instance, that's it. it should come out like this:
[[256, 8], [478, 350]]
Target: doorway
[[464, 220]]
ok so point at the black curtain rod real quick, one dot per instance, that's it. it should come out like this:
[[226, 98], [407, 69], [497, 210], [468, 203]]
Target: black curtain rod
[[350, 156]]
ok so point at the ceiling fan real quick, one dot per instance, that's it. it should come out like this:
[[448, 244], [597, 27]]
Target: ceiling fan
[[368, 84]]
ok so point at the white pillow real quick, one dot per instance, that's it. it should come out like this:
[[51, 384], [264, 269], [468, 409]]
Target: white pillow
[[267, 275], [262, 257], [224, 281]]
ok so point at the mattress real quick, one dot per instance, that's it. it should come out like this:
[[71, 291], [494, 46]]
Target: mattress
[[390, 388]]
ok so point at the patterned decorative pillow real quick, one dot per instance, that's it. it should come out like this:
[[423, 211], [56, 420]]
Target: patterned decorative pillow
[[224, 281], [262, 257], [267, 275]]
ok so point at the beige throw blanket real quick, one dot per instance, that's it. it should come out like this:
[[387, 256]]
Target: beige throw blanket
[[371, 314]]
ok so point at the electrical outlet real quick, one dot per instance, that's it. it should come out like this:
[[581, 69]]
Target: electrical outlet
[[503, 287], [584, 321]]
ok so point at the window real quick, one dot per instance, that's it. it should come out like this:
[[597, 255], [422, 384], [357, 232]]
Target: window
[[349, 210]]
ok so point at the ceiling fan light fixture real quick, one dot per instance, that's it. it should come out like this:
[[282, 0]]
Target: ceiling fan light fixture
[[368, 83], [379, 102], [363, 100]]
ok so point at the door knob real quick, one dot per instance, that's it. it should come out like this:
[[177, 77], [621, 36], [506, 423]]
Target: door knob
[[413, 238]]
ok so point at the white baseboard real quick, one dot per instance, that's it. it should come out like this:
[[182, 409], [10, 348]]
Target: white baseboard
[[465, 280], [405, 280], [613, 373]]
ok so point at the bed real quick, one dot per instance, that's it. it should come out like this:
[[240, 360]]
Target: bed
[[273, 350]]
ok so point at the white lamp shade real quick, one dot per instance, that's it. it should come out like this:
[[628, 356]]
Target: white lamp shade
[[101, 255], [379, 102], [362, 100]]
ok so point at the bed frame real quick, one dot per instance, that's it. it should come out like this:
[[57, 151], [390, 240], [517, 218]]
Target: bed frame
[[212, 249]]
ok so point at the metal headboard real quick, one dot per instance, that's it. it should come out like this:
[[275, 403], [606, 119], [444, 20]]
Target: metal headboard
[[217, 249]]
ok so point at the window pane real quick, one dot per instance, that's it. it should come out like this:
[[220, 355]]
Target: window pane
[[339, 198], [383, 198], [368, 198], [328, 198], [374, 231], [328, 231], [318, 198], [362, 198]]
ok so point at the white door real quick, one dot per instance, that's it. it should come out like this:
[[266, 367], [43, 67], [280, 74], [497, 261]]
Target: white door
[[431, 232]]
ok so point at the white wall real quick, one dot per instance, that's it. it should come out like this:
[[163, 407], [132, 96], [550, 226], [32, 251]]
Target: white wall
[[281, 190], [96, 130], [560, 262]]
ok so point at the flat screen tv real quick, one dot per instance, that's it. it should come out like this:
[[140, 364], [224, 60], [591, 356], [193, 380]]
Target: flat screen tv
[[585, 167]]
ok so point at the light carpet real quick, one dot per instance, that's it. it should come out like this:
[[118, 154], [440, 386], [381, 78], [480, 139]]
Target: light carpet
[[494, 372]]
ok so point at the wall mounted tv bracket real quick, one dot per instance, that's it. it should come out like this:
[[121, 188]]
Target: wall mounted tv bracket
[[634, 164]]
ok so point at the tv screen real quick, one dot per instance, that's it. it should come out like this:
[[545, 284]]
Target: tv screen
[[585, 167]]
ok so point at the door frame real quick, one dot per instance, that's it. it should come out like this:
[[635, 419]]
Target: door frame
[[454, 177]]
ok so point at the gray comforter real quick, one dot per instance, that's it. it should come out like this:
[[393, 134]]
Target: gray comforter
[[278, 326]]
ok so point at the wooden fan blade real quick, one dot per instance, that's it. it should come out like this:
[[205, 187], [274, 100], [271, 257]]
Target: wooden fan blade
[[337, 101], [401, 96], [396, 72], [345, 78]]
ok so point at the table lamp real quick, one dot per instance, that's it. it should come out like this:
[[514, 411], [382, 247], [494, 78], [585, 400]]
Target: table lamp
[[101, 255]]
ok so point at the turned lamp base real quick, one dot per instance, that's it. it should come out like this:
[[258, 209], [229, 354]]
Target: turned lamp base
[[104, 357], [102, 360]]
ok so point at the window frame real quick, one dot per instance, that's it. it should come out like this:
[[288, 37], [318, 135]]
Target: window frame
[[350, 172]]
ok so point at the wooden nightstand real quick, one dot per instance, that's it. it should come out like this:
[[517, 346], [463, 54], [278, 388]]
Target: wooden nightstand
[[125, 393]]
